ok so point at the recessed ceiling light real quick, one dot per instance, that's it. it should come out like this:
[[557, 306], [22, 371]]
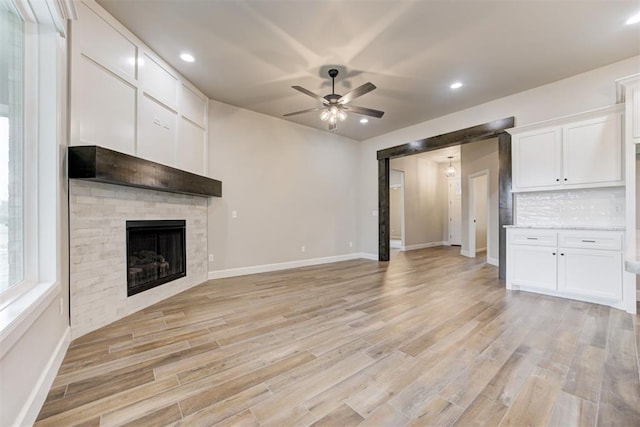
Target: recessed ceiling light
[[364, 121], [634, 19], [456, 85], [187, 57]]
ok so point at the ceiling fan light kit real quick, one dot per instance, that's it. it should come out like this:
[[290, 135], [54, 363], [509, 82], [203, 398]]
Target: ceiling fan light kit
[[334, 107]]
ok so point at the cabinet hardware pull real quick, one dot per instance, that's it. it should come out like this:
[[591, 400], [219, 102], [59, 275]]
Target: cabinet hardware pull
[[557, 179], [561, 254], [532, 238], [565, 179], [554, 253], [588, 241]]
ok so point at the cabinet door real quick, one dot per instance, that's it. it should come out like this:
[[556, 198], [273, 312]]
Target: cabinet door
[[536, 159], [592, 151], [534, 266], [590, 272]]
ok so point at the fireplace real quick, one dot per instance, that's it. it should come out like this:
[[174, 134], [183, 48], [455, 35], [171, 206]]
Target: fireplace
[[156, 253]]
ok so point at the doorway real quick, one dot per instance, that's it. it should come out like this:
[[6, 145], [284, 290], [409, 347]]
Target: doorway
[[396, 209], [496, 128], [478, 213]]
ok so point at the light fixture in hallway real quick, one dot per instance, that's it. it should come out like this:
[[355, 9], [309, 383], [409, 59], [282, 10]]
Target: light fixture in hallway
[[450, 171]]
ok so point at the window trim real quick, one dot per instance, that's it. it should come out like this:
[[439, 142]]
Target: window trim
[[44, 118]]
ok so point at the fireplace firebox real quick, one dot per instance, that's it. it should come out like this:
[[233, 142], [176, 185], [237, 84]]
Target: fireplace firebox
[[156, 253]]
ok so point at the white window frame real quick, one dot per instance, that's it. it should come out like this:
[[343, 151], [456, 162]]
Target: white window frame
[[44, 135]]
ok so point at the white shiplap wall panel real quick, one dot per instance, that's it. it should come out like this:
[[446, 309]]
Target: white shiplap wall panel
[[104, 44], [158, 82], [157, 138], [194, 107], [194, 142], [126, 98], [106, 116]]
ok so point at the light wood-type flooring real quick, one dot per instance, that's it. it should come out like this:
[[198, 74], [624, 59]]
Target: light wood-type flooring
[[429, 339]]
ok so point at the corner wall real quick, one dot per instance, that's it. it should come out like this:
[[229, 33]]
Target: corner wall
[[289, 185]]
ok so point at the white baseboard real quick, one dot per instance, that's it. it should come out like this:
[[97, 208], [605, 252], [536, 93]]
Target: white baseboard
[[493, 261], [365, 255], [464, 252], [36, 399], [423, 245], [481, 250], [265, 268]]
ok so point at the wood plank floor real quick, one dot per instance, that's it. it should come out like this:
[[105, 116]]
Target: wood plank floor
[[430, 338]]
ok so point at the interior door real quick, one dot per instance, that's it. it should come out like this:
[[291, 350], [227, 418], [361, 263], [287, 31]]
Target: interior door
[[455, 212]]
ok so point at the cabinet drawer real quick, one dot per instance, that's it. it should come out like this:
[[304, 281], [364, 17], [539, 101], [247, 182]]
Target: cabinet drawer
[[591, 240], [534, 237]]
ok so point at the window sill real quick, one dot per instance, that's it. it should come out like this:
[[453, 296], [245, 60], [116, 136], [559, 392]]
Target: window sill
[[18, 316]]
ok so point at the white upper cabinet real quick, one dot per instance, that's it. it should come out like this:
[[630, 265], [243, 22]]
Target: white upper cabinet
[[592, 151], [580, 151], [537, 155], [629, 92]]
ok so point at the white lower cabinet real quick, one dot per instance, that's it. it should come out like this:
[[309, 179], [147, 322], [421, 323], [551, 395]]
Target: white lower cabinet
[[534, 266], [579, 264], [590, 272]]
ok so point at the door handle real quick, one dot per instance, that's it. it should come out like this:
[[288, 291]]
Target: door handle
[[588, 241]]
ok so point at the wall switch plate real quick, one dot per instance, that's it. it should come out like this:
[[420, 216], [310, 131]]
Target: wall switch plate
[[350, 244], [210, 257], [303, 249], [374, 213], [234, 214]]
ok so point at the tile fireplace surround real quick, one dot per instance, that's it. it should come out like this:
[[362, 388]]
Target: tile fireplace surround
[[97, 235]]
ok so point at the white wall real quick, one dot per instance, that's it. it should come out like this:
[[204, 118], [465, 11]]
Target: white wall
[[480, 203], [423, 200], [576, 94], [290, 185], [477, 157]]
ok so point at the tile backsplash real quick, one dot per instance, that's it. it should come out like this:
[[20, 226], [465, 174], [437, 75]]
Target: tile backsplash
[[594, 207]]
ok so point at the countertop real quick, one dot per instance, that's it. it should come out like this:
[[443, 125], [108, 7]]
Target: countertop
[[582, 227]]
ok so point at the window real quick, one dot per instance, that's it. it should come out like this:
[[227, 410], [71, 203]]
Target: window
[[11, 148]]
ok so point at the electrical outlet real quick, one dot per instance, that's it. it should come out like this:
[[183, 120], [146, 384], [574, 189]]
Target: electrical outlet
[[303, 249], [210, 257]]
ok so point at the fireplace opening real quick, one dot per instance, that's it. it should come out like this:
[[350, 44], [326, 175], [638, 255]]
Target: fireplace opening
[[156, 253]]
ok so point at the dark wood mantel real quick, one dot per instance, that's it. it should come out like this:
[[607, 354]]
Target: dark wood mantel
[[94, 163]]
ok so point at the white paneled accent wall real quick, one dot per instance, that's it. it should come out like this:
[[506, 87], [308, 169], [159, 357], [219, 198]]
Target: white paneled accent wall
[[97, 248], [595, 207], [126, 98]]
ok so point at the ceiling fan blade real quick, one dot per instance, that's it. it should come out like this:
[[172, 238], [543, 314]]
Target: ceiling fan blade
[[359, 91], [303, 111], [311, 94], [365, 111]]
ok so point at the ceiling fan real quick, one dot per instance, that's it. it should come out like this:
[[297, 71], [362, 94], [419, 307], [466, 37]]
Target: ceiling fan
[[335, 107]]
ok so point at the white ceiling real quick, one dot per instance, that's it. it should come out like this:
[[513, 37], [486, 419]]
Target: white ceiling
[[249, 53]]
